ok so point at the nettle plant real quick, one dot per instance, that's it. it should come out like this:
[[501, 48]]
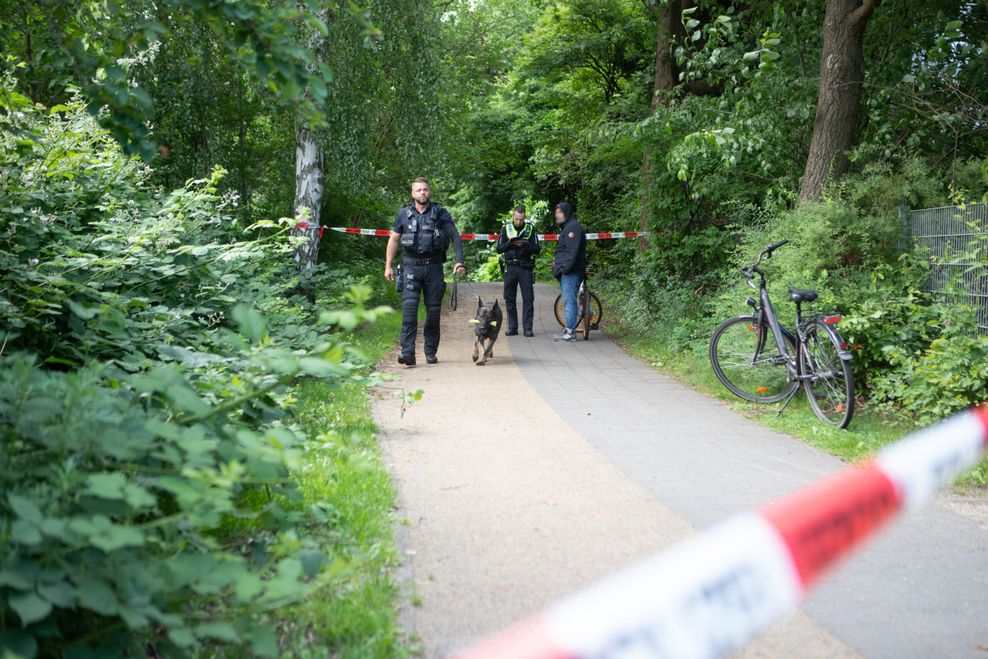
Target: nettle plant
[[148, 351]]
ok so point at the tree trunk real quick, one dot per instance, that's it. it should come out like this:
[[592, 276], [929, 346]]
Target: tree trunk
[[668, 26], [838, 107], [309, 176], [243, 167], [309, 183]]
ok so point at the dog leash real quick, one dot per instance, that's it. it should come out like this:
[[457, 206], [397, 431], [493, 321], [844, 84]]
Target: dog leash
[[454, 293]]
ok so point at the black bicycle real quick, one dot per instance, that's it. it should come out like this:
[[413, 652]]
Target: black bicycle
[[589, 310], [759, 360]]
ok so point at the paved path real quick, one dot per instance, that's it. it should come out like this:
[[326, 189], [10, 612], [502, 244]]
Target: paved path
[[557, 463]]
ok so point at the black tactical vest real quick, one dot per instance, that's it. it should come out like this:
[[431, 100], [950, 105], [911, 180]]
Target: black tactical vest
[[422, 235]]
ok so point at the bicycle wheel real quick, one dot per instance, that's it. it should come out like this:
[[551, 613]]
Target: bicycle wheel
[[560, 310], [596, 311], [585, 312], [828, 380], [746, 360]]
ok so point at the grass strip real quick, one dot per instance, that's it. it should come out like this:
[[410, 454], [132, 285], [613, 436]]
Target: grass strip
[[348, 492]]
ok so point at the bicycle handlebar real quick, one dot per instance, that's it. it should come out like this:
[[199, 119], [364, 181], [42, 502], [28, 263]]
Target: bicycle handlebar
[[771, 248], [749, 271]]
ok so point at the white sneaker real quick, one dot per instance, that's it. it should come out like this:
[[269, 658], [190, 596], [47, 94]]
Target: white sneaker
[[565, 336]]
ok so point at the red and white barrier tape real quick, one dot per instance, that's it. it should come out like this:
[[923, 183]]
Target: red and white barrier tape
[[709, 594], [488, 237]]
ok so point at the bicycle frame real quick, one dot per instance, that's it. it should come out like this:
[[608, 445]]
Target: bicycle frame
[[585, 282], [765, 311]]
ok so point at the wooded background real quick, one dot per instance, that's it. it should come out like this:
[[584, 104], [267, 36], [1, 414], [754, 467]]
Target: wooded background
[[159, 302]]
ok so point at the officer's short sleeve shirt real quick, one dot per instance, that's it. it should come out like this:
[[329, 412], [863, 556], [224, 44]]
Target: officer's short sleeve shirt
[[399, 225]]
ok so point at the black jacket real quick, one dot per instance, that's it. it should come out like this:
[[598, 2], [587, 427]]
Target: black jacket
[[571, 250], [519, 255]]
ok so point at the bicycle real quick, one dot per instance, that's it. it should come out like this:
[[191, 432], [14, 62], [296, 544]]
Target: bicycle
[[589, 310], [762, 371]]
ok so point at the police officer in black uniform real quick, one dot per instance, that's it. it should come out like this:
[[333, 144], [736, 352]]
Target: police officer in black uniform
[[518, 244], [423, 231]]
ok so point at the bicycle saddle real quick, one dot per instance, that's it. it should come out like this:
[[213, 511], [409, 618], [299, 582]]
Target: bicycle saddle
[[798, 295]]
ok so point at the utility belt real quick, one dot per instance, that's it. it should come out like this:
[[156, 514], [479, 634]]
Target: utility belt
[[421, 260], [528, 265]]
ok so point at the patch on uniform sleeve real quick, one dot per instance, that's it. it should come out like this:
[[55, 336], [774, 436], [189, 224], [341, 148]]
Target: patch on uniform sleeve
[[572, 234]]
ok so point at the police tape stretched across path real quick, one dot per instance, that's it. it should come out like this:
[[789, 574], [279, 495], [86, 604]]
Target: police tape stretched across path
[[710, 594], [483, 237]]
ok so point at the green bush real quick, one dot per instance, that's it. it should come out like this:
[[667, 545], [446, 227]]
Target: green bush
[[890, 311], [114, 487], [489, 269], [148, 350], [948, 375]]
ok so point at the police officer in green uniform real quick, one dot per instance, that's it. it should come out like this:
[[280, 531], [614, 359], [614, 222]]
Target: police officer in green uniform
[[518, 244], [423, 231]]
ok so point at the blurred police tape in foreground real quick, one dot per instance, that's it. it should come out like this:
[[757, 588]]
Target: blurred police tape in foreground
[[710, 594]]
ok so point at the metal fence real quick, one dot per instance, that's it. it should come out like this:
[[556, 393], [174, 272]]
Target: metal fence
[[956, 238]]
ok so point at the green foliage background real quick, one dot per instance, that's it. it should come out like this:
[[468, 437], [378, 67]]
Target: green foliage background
[[163, 367]]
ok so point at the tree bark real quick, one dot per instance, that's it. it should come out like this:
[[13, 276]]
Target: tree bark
[[309, 178], [838, 107], [309, 183], [668, 26]]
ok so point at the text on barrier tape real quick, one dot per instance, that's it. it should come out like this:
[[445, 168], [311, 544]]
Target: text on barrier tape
[[708, 595]]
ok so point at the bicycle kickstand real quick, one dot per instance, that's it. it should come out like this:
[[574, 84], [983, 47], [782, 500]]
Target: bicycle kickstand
[[785, 403]]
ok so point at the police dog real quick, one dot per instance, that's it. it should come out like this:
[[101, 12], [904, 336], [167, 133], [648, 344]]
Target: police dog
[[487, 325]]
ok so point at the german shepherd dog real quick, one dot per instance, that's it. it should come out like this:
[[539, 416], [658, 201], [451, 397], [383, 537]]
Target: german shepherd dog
[[487, 326]]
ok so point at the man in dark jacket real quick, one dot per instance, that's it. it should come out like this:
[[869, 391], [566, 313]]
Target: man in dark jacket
[[519, 244], [422, 231], [570, 266]]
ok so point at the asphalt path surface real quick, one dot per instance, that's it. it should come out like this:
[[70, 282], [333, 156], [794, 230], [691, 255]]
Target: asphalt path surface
[[558, 463]]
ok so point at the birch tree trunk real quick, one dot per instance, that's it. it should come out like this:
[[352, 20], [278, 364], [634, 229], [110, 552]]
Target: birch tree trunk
[[309, 175], [309, 185], [841, 76]]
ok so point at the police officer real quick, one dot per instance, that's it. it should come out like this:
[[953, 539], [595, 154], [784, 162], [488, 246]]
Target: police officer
[[518, 245], [423, 231]]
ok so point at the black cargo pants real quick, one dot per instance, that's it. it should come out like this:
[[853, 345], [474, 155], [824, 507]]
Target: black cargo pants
[[518, 276], [427, 281]]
